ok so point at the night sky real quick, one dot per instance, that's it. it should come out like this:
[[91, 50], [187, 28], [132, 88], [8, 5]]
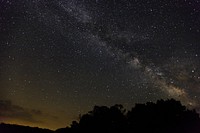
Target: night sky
[[59, 58]]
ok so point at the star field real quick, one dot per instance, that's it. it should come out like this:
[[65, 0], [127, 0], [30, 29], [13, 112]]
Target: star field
[[59, 58]]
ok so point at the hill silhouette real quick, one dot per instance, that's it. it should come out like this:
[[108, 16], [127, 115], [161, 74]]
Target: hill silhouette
[[168, 116], [12, 128]]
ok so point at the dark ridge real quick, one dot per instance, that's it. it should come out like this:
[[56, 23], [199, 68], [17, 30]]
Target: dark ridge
[[13, 128]]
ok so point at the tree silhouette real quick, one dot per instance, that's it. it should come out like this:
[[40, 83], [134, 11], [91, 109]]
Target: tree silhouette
[[162, 116], [103, 119], [168, 116]]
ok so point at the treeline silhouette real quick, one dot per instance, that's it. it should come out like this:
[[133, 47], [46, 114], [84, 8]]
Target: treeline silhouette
[[168, 116]]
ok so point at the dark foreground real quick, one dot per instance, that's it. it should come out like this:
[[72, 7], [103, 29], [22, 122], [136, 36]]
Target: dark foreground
[[162, 117]]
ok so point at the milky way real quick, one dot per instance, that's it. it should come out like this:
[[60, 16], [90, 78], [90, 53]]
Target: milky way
[[59, 58]]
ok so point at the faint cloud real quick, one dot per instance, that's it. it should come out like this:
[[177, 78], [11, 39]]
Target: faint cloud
[[10, 111]]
